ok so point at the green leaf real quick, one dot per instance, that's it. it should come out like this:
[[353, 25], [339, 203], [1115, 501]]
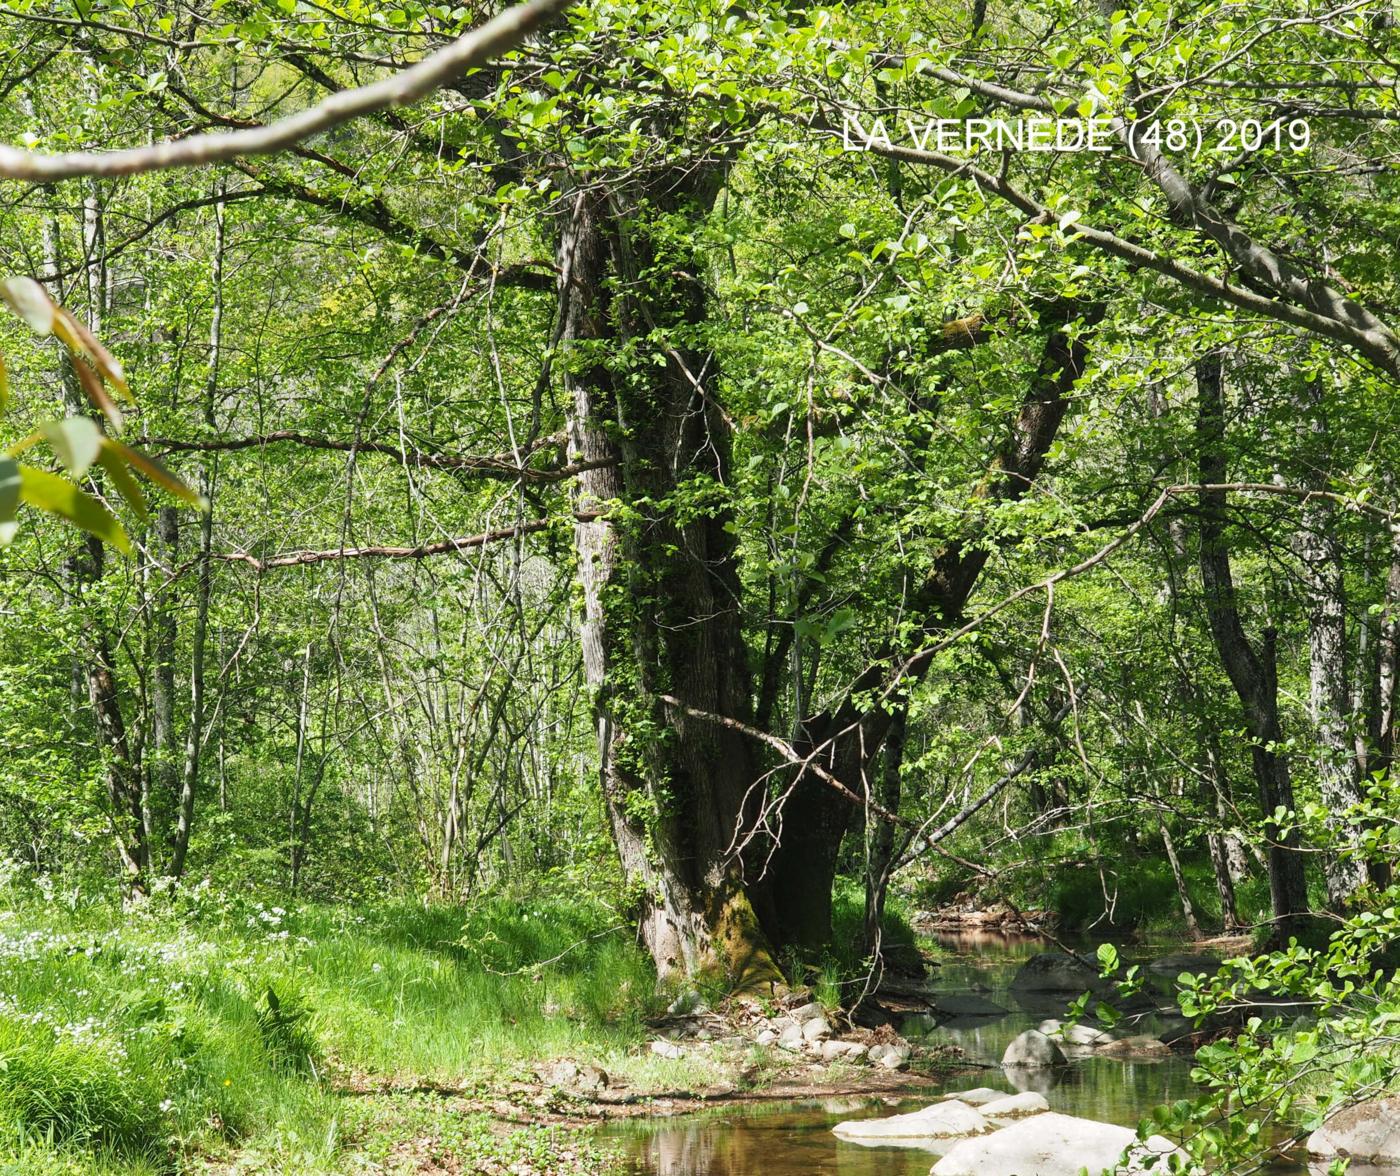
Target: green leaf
[[75, 440], [49, 492], [1108, 959], [9, 497], [127, 486], [28, 299], [156, 472]]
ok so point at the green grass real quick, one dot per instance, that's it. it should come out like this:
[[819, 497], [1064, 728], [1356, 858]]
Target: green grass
[[194, 1027]]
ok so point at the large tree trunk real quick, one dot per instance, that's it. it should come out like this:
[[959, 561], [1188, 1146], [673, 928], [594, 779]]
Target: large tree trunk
[[660, 591], [1254, 675]]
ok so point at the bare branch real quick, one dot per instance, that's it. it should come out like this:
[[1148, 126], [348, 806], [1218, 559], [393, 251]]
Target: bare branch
[[499, 465], [496, 36], [294, 559]]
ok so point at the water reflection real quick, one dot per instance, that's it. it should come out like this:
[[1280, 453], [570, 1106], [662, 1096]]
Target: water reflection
[[975, 971], [791, 1141]]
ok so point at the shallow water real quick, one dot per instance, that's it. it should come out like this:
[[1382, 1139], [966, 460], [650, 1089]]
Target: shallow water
[[794, 1139]]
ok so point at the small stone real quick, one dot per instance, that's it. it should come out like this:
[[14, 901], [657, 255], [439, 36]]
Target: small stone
[[666, 1049], [895, 1059], [855, 1051], [592, 1078], [767, 1037], [562, 1073], [687, 1004], [879, 1050], [807, 1012], [791, 1036], [816, 1029]]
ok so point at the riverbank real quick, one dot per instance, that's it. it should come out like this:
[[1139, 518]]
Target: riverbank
[[221, 1033]]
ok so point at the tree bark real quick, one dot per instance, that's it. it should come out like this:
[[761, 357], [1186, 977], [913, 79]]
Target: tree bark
[[1329, 697], [660, 590], [1253, 674]]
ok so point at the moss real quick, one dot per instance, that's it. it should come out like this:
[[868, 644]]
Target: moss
[[742, 949]]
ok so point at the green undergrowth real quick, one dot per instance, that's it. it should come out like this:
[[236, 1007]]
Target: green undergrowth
[[199, 1027]]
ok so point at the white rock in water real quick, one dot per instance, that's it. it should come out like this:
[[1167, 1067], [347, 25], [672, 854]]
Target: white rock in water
[[1369, 1131], [941, 1120], [1032, 1049], [1051, 1144], [979, 1096], [1076, 1035], [1015, 1106]]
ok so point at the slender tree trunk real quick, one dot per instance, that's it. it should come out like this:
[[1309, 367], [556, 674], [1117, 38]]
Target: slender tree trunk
[[194, 732], [1183, 893], [881, 838], [1387, 721], [1329, 697], [161, 761], [1254, 675]]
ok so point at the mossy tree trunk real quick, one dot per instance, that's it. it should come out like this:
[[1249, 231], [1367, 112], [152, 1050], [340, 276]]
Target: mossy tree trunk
[[659, 578]]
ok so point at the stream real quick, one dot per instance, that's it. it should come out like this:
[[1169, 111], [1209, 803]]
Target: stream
[[795, 1139]]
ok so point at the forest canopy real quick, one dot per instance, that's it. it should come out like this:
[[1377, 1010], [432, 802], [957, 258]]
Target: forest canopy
[[765, 467]]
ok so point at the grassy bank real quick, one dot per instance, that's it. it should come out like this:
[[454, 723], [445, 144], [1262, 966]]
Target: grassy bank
[[203, 1031]]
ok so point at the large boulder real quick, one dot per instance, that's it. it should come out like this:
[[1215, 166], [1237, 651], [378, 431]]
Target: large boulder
[[1049, 1144], [1368, 1132], [1032, 1050], [1058, 971], [949, 1119]]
